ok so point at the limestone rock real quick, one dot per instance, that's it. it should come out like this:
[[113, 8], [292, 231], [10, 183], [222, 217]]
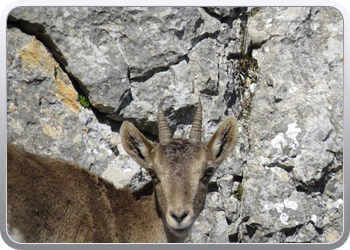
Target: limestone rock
[[44, 116], [296, 120], [279, 71]]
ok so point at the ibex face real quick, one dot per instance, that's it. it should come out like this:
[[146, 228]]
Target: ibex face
[[180, 172], [180, 169]]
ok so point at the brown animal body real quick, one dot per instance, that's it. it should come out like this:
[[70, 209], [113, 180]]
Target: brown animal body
[[56, 201]]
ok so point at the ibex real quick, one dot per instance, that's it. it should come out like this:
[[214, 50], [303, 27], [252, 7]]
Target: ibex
[[56, 201]]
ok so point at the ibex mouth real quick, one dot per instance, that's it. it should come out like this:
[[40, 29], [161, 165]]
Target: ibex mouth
[[181, 231], [180, 228]]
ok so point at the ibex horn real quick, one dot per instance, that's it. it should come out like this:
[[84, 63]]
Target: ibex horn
[[163, 127], [196, 129]]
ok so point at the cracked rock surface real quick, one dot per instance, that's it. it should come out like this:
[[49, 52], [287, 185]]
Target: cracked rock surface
[[296, 127], [279, 71]]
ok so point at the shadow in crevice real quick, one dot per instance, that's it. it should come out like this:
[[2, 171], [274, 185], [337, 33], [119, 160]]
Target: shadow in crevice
[[234, 14], [38, 30]]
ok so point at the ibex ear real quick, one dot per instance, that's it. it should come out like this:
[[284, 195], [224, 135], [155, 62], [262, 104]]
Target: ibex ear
[[223, 140], [135, 144]]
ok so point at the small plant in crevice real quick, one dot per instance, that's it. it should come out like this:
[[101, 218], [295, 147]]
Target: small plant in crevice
[[155, 143], [248, 64], [239, 192], [83, 101]]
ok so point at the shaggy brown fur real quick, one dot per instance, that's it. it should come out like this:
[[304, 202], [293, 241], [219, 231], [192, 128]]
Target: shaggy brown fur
[[55, 201]]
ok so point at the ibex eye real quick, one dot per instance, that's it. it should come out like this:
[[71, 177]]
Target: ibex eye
[[209, 172], [152, 173]]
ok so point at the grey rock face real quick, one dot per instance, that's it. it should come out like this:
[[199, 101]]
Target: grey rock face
[[106, 48], [296, 124], [43, 114], [279, 71]]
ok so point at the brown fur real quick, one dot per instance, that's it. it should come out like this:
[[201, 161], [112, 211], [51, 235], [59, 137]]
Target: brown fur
[[55, 201]]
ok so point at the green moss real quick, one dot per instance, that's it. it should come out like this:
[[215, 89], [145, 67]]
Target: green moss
[[83, 101], [239, 192]]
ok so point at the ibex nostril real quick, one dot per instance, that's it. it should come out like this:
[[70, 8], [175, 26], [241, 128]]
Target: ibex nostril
[[179, 217]]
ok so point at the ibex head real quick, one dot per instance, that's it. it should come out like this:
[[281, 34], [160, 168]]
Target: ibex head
[[180, 168]]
